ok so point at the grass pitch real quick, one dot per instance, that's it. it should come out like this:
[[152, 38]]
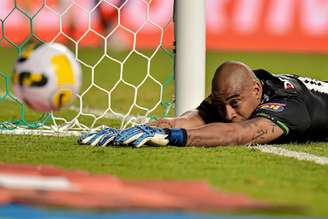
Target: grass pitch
[[236, 169]]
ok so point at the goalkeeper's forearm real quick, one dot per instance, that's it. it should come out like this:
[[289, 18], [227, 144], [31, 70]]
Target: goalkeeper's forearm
[[214, 134], [253, 131]]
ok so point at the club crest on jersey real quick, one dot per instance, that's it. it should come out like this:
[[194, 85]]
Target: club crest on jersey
[[288, 85], [275, 107]]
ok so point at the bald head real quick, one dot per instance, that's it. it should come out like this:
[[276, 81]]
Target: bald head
[[236, 90], [232, 74]]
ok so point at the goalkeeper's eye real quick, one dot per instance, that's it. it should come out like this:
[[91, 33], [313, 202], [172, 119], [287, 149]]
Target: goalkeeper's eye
[[234, 103]]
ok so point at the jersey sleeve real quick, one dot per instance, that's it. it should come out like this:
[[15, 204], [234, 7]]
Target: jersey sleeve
[[290, 114], [209, 111]]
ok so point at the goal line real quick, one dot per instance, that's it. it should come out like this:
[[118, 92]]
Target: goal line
[[292, 154]]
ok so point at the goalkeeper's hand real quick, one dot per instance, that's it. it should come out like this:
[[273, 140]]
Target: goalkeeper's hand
[[103, 137], [143, 134]]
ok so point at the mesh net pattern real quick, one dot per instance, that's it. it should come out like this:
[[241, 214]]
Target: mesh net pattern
[[125, 51]]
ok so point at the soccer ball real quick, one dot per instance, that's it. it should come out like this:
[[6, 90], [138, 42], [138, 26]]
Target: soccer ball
[[46, 77]]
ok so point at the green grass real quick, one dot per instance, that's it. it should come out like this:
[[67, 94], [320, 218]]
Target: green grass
[[268, 177]]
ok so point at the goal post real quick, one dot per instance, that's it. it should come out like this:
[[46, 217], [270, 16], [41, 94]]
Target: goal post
[[190, 44]]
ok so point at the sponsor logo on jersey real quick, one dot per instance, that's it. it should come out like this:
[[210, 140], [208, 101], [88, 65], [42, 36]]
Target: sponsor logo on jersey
[[274, 107]]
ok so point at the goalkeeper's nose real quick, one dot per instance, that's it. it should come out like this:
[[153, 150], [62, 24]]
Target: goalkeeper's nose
[[230, 114]]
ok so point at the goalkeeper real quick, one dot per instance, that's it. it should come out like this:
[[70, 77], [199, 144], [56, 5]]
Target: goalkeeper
[[245, 107]]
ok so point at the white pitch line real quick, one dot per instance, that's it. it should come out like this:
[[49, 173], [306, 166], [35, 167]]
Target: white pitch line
[[13, 181], [294, 154]]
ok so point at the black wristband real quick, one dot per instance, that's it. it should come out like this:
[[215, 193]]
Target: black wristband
[[177, 136]]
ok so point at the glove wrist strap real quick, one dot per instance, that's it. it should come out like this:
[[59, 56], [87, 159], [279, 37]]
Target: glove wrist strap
[[177, 136]]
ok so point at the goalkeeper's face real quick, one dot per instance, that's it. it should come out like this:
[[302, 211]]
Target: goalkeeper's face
[[236, 102]]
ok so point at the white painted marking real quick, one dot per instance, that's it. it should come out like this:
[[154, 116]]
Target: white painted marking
[[294, 154], [34, 182]]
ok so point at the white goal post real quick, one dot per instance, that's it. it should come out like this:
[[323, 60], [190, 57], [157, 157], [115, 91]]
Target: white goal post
[[190, 39]]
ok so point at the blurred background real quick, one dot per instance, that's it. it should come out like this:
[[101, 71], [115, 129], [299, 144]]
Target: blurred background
[[254, 25]]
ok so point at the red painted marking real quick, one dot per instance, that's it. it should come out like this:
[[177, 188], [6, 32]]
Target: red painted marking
[[108, 192]]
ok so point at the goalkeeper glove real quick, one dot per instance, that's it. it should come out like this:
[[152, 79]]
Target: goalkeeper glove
[[103, 137], [141, 134]]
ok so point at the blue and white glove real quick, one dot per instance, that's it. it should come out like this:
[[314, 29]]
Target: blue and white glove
[[143, 134], [103, 137]]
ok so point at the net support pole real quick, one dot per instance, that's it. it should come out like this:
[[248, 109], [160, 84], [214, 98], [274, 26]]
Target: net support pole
[[190, 39]]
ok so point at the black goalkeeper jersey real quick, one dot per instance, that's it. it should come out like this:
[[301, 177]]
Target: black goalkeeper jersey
[[298, 105]]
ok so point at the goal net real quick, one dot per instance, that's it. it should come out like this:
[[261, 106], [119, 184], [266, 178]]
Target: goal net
[[125, 49]]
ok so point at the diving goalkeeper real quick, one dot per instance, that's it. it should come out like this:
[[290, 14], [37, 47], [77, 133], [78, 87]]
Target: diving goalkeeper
[[245, 107]]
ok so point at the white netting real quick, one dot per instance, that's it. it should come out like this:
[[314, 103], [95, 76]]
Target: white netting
[[125, 51]]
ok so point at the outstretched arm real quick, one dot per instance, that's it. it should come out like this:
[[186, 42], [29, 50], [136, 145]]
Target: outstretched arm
[[253, 131], [190, 119]]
